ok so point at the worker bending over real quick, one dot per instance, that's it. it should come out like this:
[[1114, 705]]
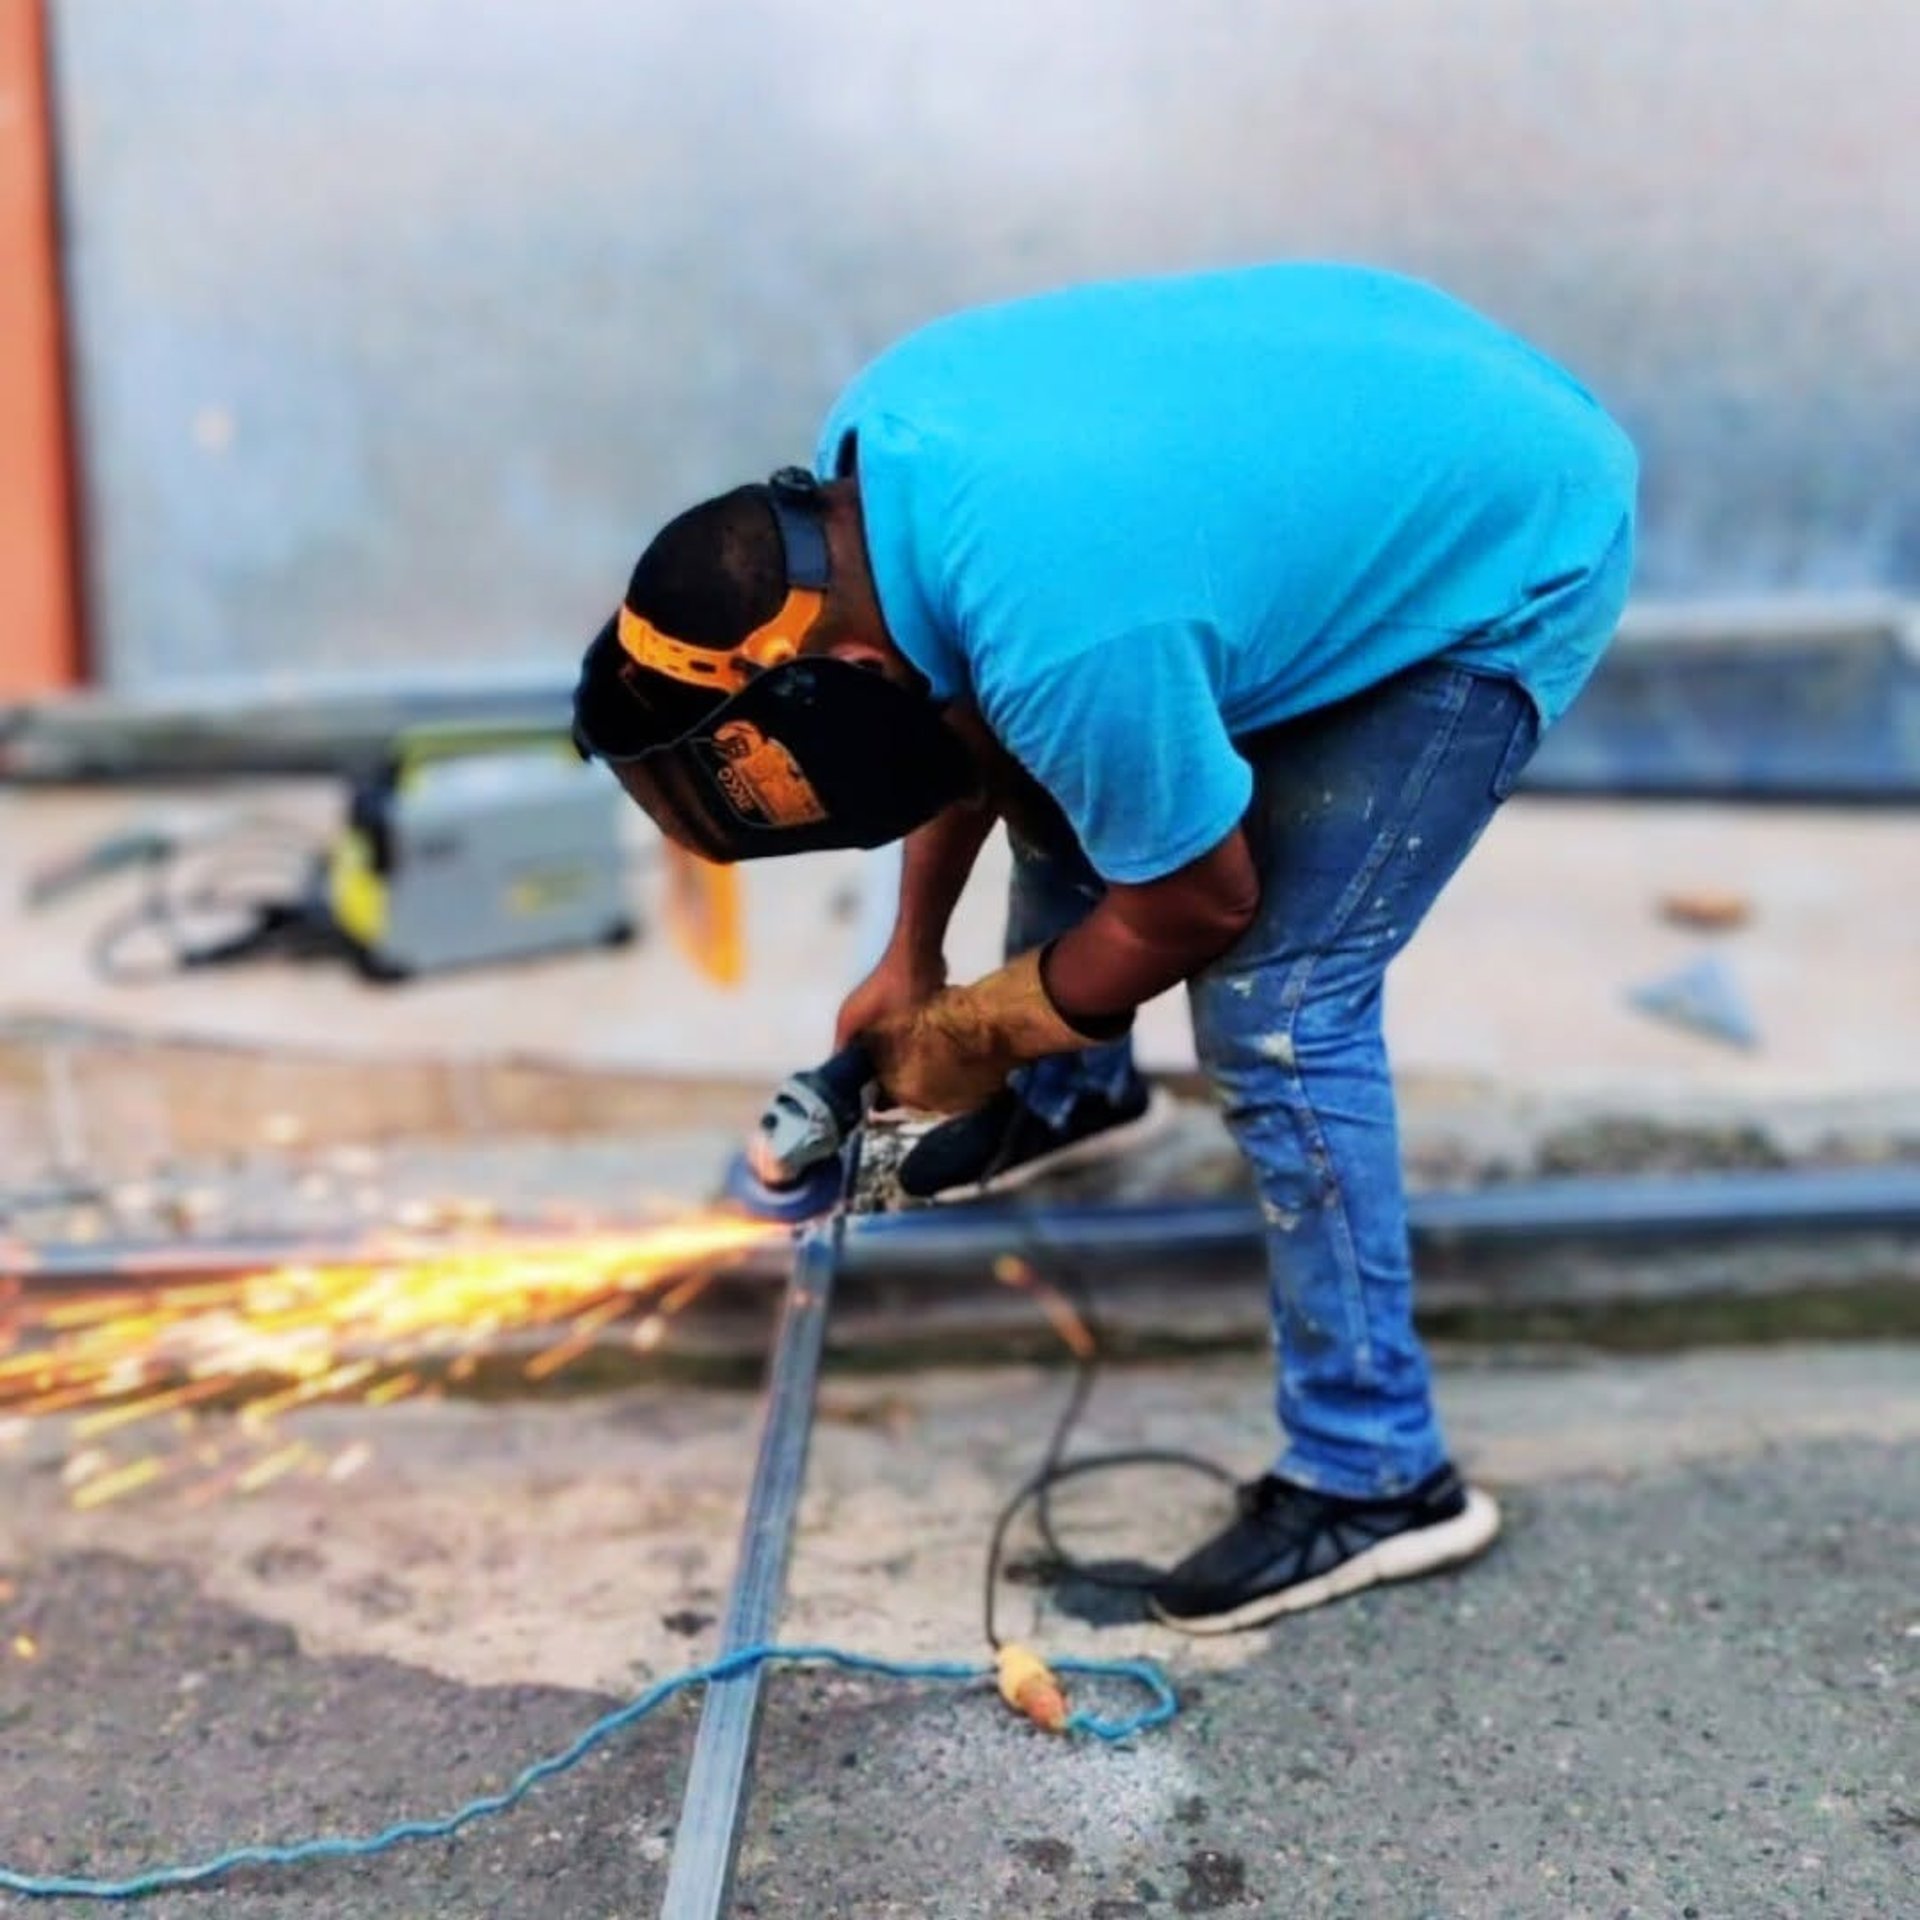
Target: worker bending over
[[1242, 598]]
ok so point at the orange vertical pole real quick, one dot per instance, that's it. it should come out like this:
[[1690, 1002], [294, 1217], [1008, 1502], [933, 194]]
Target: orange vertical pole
[[39, 636]]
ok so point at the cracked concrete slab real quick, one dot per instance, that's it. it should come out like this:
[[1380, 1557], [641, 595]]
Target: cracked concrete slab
[[1688, 1676]]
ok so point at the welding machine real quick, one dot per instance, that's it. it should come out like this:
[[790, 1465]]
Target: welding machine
[[464, 845], [472, 844]]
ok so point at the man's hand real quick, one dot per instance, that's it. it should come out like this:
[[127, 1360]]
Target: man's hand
[[954, 1052], [906, 978], [937, 861]]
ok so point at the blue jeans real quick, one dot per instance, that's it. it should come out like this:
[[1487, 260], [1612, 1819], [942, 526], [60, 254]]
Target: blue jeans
[[1361, 813]]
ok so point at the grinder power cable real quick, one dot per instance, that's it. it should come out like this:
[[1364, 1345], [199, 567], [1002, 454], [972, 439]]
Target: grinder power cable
[[803, 1158], [800, 1164]]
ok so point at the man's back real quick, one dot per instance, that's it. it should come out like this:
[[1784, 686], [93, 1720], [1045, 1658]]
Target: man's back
[[1134, 522], [1303, 458]]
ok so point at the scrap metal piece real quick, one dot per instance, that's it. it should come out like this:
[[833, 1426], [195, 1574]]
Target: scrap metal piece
[[707, 1844], [1625, 1207], [1705, 909], [1703, 998]]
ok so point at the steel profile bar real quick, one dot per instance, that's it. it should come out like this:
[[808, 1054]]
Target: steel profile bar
[[1626, 1207], [713, 1811], [1612, 1207]]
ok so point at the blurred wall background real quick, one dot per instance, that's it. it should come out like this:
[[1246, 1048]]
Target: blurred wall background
[[38, 628], [398, 324]]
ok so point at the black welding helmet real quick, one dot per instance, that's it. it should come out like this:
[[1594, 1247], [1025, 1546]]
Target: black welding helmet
[[789, 753]]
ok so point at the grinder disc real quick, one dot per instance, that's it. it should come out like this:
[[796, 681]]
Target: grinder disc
[[817, 1191]]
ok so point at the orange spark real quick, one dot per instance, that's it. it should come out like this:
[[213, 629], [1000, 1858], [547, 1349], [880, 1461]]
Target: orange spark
[[61, 1400], [97, 1491], [688, 1291], [129, 1412], [336, 1380], [349, 1461], [544, 1365], [274, 1467], [1011, 1271], [372, 1329]]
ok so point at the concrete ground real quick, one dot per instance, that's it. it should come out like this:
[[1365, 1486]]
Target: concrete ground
[[302, 1094], [1519, 978], [1688, 1682]]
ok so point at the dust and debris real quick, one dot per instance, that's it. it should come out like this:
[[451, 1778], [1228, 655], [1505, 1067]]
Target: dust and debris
[[275, 1563], [1045, 1854], [1214, 1880], [1631, 1143], [892, 1413]]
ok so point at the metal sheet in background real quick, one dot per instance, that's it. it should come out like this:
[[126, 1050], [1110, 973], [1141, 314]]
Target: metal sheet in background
[[397, 328], [1811, 700], [1791, 701]]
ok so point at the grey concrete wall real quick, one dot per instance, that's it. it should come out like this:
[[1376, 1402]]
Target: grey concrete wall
[[400, 322]]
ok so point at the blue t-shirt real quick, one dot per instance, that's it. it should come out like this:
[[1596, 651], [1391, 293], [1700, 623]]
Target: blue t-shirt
[[1136, 521]]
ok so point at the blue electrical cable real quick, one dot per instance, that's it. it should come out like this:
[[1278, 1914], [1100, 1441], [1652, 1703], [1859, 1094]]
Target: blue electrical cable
[[1145, 1673]]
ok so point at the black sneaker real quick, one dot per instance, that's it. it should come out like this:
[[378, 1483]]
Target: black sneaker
[[1005, 1144], [1291, 1549]]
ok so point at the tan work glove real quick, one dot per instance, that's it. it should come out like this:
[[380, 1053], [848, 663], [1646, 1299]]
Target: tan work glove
[[954, 1052]]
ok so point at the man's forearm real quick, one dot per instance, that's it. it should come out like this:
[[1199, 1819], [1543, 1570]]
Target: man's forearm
[[934, 868], [1141, 940], [955, 1049]]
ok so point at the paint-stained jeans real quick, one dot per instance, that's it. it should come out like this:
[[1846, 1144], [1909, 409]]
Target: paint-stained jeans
[[1361, 813]]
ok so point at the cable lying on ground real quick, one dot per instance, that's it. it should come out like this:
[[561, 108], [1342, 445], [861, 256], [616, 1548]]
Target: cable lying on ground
[[1162, 1706]]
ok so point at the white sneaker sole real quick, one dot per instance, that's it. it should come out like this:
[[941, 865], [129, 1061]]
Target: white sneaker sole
[[1109, 1144], [1404, 1556]]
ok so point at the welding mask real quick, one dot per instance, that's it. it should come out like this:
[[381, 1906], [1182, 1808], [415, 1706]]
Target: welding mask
[[796, 754]]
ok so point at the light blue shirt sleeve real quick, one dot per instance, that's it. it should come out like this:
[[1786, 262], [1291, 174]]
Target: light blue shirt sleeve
[[1127, 736]]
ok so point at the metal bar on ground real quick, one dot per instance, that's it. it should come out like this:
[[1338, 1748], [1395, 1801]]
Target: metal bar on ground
[[1601, 1207], [1612, 1207], [707, 1844]]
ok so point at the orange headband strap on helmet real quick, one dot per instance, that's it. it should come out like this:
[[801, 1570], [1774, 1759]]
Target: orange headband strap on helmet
[[771, 645]]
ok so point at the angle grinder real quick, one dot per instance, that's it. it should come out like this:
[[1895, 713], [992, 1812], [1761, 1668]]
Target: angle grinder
[[794, 1165]]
